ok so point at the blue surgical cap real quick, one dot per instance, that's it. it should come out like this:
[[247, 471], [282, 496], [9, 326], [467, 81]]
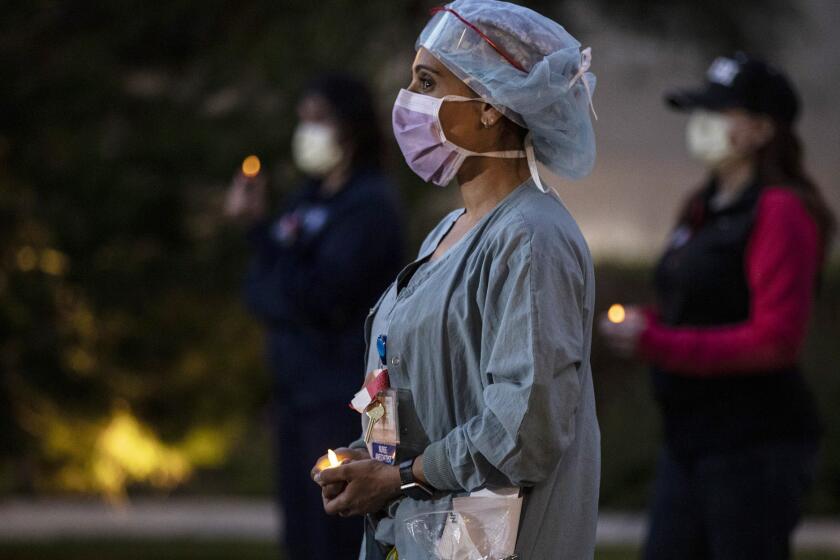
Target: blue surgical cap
[[549, 95]]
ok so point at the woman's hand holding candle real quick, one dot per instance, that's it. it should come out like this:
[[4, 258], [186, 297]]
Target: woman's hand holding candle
[[246, 197], [340, 456], [332, 459], [366, 486], [622, 327]]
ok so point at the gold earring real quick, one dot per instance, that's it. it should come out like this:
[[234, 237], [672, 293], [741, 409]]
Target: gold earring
[[485, 123]]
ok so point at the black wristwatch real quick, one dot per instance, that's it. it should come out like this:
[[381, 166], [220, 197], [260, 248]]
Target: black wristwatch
[[410, 486]]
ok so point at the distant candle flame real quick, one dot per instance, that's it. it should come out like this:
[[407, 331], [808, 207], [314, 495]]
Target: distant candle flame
[[334, 461], [616, 313], [251, 166]]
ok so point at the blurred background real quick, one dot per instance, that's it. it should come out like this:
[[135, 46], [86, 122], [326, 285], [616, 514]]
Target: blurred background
[[129, 369]]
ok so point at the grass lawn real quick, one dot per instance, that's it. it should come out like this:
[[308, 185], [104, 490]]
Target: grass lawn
[[216, 550]]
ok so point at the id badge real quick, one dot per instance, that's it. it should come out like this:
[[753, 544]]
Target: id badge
[[385, 435]]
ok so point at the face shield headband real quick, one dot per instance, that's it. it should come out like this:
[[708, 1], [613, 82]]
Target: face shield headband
[[481, 34]]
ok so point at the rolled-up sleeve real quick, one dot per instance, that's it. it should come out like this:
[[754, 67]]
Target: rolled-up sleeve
[[532, 343]]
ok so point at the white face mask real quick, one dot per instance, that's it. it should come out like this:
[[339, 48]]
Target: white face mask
[[315, 148], [707, 136]]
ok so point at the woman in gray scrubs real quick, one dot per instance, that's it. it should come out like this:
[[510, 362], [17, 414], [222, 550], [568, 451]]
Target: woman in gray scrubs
[[488, 331]]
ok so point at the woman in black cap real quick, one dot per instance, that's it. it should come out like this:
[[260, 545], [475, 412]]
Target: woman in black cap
[[734, 288]]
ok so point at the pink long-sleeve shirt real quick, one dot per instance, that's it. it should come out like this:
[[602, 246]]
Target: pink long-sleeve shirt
[[782, 261]]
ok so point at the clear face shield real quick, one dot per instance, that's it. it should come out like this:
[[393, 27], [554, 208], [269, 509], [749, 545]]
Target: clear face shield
[[450, 36], [501, 56]]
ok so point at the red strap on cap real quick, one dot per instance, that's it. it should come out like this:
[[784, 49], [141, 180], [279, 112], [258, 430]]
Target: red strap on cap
[[489, 41]]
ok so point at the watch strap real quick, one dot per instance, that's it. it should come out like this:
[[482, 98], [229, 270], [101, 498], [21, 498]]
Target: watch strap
[[406, 473]]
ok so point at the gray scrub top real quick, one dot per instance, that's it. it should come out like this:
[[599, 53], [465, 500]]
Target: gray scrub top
[[488, 348]]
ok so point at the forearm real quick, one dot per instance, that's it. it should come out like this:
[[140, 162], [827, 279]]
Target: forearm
[[419, 472], [482, 452], [722, 351]]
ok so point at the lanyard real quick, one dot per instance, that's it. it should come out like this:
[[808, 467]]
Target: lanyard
[[382, 349]]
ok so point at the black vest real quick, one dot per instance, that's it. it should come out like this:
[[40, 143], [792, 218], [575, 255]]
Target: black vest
[[701, 282]]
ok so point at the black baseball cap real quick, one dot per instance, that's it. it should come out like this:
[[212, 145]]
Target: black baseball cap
[[741, 82]]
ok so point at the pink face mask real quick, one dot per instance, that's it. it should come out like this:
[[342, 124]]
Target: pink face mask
[[416, 120]]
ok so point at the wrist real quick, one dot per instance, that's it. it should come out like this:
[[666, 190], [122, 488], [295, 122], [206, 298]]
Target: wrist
[[394, 483], [417, 470]]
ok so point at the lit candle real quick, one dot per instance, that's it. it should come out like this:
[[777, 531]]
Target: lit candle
[[332, 460], [616, 313], [251, 166]]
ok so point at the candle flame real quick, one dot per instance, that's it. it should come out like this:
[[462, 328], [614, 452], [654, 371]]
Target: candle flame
[[251, 166], [616, 313], [334, 462]]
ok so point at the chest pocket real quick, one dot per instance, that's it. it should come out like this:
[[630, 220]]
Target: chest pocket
[[413, 438]]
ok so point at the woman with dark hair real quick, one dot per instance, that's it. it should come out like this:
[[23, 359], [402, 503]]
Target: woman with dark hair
[[735, 288], [318, 266]]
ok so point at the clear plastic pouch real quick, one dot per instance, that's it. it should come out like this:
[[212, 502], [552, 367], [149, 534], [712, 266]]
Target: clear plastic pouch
[[478, 527]]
